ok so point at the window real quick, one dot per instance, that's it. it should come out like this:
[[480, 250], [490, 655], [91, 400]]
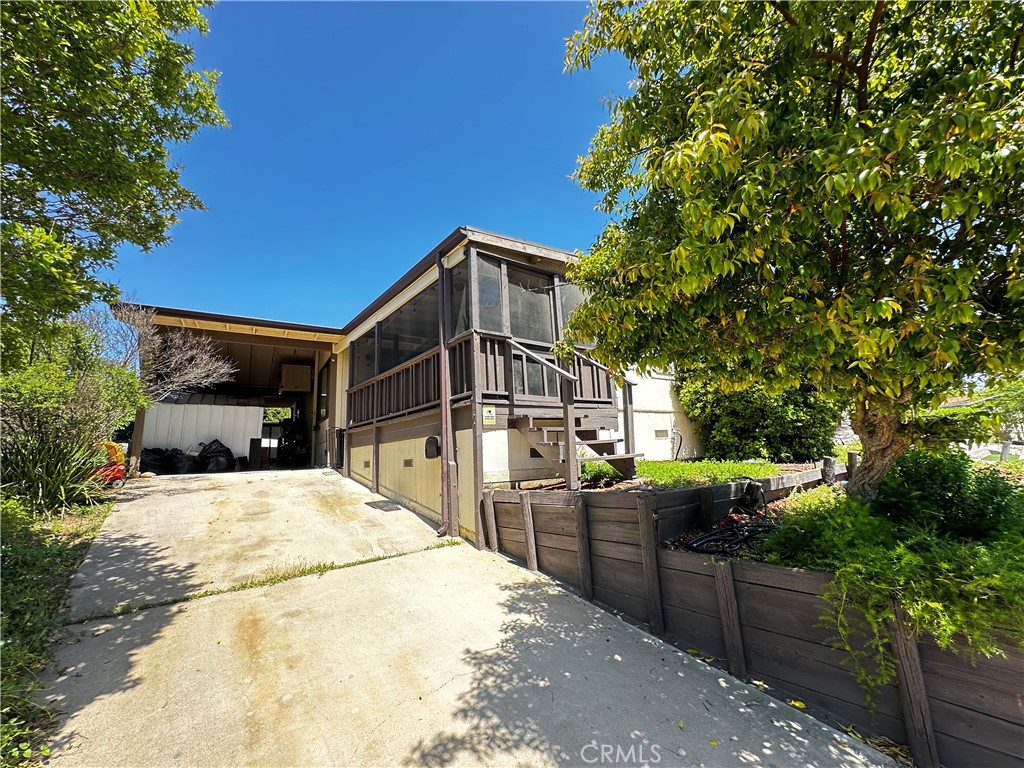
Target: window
[[459, 277], [569, 297], [490, 295], [323, 396], [529, 300], [363, 358], [661, 434], [409, 331]]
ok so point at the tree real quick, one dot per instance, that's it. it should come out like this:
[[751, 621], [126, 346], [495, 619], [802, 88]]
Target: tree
[[93, 96], [827, 193], [167, 361]]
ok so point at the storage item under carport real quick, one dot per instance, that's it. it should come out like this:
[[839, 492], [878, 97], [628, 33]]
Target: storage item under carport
[[213, 457]]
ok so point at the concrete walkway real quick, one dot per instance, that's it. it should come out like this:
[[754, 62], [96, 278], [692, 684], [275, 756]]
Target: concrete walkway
[[440, 657]]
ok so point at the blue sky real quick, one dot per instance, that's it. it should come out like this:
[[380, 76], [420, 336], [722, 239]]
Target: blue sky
[[362, 134]]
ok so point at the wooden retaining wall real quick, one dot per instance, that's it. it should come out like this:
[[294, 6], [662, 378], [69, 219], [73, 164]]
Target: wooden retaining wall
[[763, 621]]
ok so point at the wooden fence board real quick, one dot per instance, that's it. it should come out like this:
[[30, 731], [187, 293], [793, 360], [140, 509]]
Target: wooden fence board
[[841, 712], [784, 657], [958, 752], [954, 683], [517, 535], [689, 591], [605, 515], [688, 562], [610, 500], [548, 519], [732, 630], [621, 576], [695, 630], [516, 549], [631, 605], [917, 717], [556, 541], [1003, 673], [583, 547], [508, 516], [625, 533], [531, 532], [649, 557], [977, 728], [560, 563], [795, 579], [616, 550]]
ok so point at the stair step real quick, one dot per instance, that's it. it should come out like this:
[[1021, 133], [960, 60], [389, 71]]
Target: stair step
[[611, 457], [610, 441]]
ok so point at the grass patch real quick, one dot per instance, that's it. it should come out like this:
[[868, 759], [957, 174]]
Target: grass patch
[[274, 575], [842, 451], [40, 555], [692, 474]]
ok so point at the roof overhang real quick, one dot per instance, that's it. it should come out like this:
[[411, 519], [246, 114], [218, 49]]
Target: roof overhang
[[246, 330]]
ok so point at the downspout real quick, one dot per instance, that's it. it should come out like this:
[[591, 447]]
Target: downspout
[[449, 521]]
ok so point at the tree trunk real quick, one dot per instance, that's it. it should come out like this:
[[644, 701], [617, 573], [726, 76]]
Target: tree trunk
[[884, 441]]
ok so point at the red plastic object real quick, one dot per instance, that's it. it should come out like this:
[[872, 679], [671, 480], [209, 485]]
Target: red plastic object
[[111, 474]]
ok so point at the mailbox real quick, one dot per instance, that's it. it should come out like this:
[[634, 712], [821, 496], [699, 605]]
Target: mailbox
[[432, 447]]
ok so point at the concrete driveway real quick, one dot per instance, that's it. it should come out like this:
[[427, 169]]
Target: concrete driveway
[[439, 657]]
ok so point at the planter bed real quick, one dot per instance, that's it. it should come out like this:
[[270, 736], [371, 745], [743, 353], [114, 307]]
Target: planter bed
[[763, 621]]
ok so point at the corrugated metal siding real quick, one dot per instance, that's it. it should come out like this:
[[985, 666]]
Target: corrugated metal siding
[[186, 426]]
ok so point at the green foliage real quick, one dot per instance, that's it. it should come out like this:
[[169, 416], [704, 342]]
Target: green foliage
[[1007, 404], [811, 192], [942, 538], [39, 558], [276, 414], [948, 493], [795, 425], [47, 471], [941, 427], [94, 97], [599, 473], [842, 452], [689, 474]]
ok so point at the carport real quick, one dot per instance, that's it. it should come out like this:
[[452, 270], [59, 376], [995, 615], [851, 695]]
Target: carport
[[279, 364]]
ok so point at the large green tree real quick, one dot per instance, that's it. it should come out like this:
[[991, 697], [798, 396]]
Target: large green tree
[[95, 95], [829, 193]]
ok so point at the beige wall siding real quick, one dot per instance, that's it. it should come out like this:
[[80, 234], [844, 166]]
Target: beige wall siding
[[362, 464], [406, 475], [467, 494], [656, 411], [507, 458]]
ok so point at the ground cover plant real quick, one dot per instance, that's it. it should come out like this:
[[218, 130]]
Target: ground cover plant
[[943, 537], [39, 555], [690, 474]]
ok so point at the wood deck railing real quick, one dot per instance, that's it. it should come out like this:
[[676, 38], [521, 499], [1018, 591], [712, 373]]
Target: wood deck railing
[[413, 386]]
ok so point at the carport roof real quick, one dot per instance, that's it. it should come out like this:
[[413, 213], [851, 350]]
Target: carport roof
[[236, 324]]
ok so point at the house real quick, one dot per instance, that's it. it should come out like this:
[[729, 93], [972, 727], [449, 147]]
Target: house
[[441, 387]]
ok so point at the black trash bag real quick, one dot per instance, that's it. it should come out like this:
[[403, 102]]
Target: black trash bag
[[216, 457], [153, 460], [180, 463]]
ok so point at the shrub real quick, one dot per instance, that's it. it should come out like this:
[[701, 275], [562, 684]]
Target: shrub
[[797, 425], [842, 452], [948, 494], [39, 558], [599, 473], [47, 472], [942, 537], [687, 474]]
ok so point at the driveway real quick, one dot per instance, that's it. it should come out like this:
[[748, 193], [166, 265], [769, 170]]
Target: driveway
[[438, 657]]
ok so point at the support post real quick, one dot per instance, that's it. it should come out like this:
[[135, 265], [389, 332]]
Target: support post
[[707, 508], [628, 429], [852, 462], [647, 506], [135, 449], [478, 443], [828, 470], [449, 513], [347, 466], [492, 523], [528, 529], [579, 509], [913, 697], [725, 588], [572, 462], [375, 482]]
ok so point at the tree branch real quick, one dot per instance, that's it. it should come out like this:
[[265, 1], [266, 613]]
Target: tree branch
[[838, 58], [865, 57], [1015, 48], [784, 11]]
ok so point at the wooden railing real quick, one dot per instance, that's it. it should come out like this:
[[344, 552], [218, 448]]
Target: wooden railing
[[412, 386]]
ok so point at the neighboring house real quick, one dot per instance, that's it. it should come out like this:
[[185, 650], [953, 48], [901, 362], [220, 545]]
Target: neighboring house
[[427, 423]]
